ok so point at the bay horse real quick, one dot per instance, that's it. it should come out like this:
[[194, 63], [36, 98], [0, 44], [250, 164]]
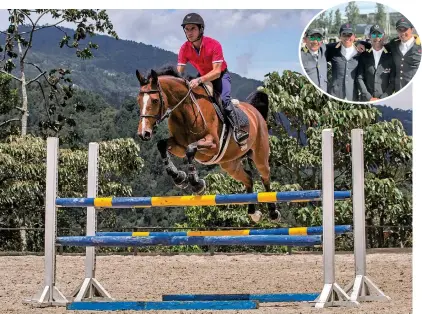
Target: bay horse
[[194, 128]]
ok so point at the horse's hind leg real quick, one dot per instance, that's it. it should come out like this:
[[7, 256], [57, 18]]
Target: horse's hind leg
[[261, 161], [235, 170], [179, 177]]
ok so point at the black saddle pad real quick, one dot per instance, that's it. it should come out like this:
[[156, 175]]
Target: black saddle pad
[[217, 103]]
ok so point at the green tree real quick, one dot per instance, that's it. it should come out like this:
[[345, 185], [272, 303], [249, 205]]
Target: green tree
[[8, 102], [352, 12], [380, 15], [18, 42], [337, 22], [330, 22], [22, 184]]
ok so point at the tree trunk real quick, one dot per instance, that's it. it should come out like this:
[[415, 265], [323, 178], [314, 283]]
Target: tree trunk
[[24, 108], [22, 233], [24, 244]]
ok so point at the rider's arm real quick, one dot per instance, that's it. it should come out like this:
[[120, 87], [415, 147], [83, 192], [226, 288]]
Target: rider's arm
[[213, 74], [181, 60], [181, 68]]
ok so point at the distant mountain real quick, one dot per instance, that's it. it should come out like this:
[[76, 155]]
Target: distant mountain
[[111, 73]]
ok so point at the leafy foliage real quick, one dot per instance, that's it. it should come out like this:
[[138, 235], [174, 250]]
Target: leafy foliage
[[19, 40]]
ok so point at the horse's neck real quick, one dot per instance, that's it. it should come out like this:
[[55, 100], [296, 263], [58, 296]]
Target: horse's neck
[[192, 112]]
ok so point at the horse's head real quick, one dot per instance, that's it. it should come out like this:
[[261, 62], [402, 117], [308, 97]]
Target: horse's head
[[152, 104]]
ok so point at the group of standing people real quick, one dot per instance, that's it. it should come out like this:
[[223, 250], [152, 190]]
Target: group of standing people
[[364, 70]]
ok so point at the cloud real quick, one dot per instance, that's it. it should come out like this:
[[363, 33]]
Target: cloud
[[162, 27]]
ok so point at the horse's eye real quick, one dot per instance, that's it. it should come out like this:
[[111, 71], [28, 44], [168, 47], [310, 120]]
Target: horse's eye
[[155, 101]]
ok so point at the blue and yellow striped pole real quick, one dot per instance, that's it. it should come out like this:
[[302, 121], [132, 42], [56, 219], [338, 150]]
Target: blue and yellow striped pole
[[198, 200], [298, 231]]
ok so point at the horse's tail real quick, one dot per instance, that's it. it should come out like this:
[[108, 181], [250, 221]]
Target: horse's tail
[[259, 100]]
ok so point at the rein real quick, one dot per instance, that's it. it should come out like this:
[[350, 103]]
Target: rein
[[160, 117]]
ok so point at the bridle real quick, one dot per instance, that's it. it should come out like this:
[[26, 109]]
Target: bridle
[[161, 116]]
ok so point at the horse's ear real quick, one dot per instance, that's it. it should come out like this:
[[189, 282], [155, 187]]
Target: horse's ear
[[141, 79], [154, 77]]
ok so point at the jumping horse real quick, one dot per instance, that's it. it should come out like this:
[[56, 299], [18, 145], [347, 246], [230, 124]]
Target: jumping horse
[[199, 133]]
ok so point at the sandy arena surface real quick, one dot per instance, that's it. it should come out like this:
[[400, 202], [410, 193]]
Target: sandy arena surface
[[136, 278]]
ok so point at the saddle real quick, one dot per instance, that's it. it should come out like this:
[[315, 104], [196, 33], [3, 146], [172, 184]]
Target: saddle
[[227, 130], [215, 99]]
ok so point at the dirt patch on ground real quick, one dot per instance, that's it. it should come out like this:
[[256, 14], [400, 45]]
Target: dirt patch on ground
[[142, 278]]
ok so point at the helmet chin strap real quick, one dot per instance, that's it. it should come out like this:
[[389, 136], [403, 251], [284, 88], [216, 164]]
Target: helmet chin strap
[[201, 34]]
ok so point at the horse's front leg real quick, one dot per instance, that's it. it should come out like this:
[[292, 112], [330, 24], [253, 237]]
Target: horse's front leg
[[198, 185], [179, 177]]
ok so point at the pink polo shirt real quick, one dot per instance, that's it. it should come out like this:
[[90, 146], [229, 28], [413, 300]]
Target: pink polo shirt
[[209, 53]]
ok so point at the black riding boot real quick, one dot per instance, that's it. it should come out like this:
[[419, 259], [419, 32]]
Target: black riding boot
[[240, 136]]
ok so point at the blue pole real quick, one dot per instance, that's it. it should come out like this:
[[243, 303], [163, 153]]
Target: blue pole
[[159, 305], [257, 240], [262, 298]]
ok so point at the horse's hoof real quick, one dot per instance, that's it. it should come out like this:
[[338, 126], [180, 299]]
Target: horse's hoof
[[199, 187], [256, 217], [275, 216], [182, 180]]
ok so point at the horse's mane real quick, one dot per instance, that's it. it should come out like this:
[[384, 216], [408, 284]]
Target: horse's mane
[[166, 70]]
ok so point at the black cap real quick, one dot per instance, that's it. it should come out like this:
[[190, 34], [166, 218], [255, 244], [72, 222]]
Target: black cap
[[312, 31], [403, 22], [347, 28], [376, 28]]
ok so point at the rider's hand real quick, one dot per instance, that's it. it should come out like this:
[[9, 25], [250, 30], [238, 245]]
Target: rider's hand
[[195, 83], [373, 98], [360, 47]]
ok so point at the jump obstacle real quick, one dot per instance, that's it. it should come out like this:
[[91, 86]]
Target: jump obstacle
[[361, 287]]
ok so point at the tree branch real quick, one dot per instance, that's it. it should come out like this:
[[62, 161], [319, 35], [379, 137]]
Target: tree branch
[[39, 18], [45, 101], [11, 75], [20, 109], [36, 78], [27, 16], [46, 26], [31, 33], [8, 121]]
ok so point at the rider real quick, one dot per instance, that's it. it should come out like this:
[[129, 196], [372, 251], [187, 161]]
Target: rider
[[206, 56]]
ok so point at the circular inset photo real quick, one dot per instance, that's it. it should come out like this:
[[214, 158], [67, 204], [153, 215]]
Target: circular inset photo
[[360, 52]]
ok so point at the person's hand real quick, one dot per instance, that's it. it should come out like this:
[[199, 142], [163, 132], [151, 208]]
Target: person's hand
[[195, 83], [373, 98], [360, 48]]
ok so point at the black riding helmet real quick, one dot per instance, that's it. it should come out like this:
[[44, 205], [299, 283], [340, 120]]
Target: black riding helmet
[[194, 18]]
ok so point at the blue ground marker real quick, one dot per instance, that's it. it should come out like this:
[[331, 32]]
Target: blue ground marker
[[262, 298], [158, 305]]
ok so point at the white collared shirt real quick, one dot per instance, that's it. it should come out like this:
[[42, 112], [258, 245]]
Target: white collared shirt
[[377, 56], [348, 53], [405, 47]]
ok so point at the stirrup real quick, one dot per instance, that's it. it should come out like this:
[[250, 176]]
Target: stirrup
[[240, 136]]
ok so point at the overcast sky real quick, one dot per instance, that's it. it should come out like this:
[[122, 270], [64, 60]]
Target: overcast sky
[[254, 42]]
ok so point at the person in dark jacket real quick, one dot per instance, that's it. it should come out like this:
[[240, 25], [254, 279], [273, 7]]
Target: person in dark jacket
[[313, 57], [406, 51], [344, 57], [376, 71]]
